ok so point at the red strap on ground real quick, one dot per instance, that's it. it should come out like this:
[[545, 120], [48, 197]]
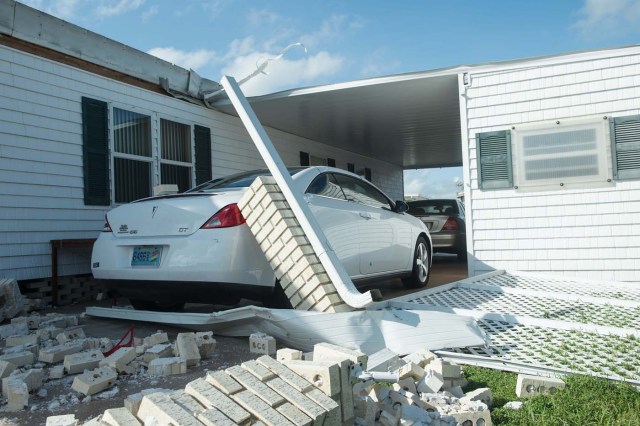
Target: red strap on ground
[[121, 343]]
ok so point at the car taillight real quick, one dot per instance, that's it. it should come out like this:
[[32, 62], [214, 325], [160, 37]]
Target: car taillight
[[227, 216], [450, 225], [106, 227]]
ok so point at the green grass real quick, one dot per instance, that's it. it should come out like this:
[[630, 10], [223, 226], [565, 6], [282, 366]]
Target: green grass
[[586, 401]]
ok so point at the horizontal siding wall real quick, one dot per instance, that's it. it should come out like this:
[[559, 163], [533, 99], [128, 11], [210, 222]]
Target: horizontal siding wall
[[592, 233], [41, 173]]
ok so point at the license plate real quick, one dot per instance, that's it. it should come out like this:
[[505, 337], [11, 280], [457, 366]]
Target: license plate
[[146, 256]]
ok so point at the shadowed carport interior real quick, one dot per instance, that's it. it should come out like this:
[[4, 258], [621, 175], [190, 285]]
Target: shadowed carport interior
[[411, 120]]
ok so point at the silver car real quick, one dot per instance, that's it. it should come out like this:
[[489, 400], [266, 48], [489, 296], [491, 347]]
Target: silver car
[[445, 220]]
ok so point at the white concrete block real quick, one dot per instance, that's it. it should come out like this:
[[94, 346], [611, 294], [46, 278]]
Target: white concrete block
[[528, 385], [260, 343], [161, 350], [261, 372], [430, 383], [56, 372], [154, 339], [333, 409], [324, 375], [287, 354], [119, 359], [57, 353], [167, 366], [33, 378], [411, 370], [471, 417], [206, 344], [448, 370], [294, 415], [482, 394], [16, 392], [132, 402], [249, 381], [94, 381], [214, 417], [18, 359], [6, 368], [187, 348], [329, 352], [18, 329], [296, 381], [421, 357], [298, 399], [384, 360], [62, 420], [187, 402], [260, 409], [78, 362], [28, 339], [71, 334], [120, 417]]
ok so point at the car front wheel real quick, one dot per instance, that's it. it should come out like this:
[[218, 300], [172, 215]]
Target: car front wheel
[[421, 268]]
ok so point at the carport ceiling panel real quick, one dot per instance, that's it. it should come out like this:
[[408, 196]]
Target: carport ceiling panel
[[413, 123]]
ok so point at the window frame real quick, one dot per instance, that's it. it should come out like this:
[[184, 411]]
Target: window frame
[[192, 147], [390, 204]]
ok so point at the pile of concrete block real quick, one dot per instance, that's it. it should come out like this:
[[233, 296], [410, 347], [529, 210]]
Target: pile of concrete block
[[284, 243], [41, 348]]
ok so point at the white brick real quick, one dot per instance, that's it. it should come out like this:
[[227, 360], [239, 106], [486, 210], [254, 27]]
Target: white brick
[[224, 382], [29, 339], [261, 372], [481, 394], [260, 343], [16, 392], [327, 351], [19, 359], [56, 372], [250, 382], [334, 412], [187, 348], [528, 385], [214, 417], [297, 382], [211, 397], [421, 358], [287, 354], [411, 370], [294, 415], [62, 420], [57, 353], [132, 402], [298, 399], [160, 407], [119, 359], [33, 379], [18, 329], [187, 402], [206, 344], [260, 409], [154, 339], [471, 417], [167, 366], [120, 417], [6, 368], [78, 362], [94, 381], [448, 370], [430, 383], [71, 334], [161, 350]]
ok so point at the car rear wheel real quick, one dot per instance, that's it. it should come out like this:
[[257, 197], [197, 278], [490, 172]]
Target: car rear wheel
[[147, 305], [421, 268]]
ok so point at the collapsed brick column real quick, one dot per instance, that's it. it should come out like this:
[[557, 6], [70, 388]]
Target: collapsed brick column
[[289, 252]]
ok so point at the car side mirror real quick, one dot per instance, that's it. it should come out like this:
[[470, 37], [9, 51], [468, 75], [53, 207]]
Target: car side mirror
[[401, 206]]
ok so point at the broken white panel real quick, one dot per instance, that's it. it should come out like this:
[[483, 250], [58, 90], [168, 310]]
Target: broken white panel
[[328, 258], [368, 331]]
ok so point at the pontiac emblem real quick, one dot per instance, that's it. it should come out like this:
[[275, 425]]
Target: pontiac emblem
[[153, 212]]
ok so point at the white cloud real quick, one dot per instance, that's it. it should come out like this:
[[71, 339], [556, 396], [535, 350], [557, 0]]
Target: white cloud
[[333, 27], [109, 8], [63, 9], [282, 74], [608, 17], [152, 11], [187, 59], [433, 183], [214, 7]]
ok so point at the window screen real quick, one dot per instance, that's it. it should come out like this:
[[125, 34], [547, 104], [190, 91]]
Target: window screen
[[176, 159]]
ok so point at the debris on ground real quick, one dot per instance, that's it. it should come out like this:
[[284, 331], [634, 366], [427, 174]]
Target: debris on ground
[[12, 303]]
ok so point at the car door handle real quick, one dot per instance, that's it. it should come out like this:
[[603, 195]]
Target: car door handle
[[365, 215]]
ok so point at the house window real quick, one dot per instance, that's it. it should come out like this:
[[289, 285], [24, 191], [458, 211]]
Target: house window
[[176, 160], [561, 154], [625, 146], [132, 155]]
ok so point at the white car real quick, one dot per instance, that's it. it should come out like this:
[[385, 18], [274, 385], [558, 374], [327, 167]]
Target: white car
[[163, 251]]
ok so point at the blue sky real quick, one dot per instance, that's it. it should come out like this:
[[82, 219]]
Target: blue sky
[[349, 40]]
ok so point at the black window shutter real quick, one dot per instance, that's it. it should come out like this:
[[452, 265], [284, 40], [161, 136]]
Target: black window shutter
[[203, 154], [331, 162], [351, 167], [494, 160], [625, 146], [304, 158], [367, 174], [95, 152]]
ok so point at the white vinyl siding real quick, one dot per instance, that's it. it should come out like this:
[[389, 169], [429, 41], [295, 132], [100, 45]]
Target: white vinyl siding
[[585, 232], [41, 167]]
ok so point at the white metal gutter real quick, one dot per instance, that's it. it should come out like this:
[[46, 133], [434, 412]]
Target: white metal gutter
[[336, 272], [369, 331]]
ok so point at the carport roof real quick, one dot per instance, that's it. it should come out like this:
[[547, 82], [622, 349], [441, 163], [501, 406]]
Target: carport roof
[[412, 120]]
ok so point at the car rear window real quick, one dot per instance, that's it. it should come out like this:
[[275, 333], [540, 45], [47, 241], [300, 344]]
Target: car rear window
[[239, 180], [434, 207]]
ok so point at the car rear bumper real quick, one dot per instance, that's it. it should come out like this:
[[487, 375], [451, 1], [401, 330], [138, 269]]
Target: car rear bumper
[[185, 291], [449, 243]]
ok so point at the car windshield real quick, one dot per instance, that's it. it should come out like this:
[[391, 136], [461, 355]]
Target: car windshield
[[433, 207], [239, 180]]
